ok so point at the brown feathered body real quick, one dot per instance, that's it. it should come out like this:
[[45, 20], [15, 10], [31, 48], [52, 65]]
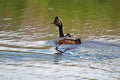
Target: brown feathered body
[[68, 40]]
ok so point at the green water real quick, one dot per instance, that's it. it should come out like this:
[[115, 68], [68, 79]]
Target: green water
[[80, 17], [27, 44]]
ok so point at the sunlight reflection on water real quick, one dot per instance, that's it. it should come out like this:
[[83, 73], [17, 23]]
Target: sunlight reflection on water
[[90, 60], [22, 58]]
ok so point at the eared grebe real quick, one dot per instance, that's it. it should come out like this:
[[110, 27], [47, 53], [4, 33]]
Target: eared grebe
[[64, 39]]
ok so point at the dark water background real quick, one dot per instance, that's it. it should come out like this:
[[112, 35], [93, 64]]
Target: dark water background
[[27, 40]]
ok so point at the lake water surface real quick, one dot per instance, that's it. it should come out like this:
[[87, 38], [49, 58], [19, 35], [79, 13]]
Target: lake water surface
[[27, 43]]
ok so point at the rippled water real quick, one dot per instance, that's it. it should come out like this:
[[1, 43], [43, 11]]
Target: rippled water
[[34, 60], [27, 40]]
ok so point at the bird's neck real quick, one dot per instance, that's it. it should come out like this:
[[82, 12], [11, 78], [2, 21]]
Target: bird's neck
[[61, 34]]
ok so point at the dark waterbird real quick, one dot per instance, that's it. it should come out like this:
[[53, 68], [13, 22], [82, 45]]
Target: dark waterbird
[[64, 39]]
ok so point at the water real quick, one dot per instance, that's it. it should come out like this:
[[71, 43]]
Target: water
[[27, 47]]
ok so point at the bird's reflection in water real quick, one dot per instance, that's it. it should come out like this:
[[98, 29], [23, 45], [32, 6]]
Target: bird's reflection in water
[[59, 54], [57, 58]]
